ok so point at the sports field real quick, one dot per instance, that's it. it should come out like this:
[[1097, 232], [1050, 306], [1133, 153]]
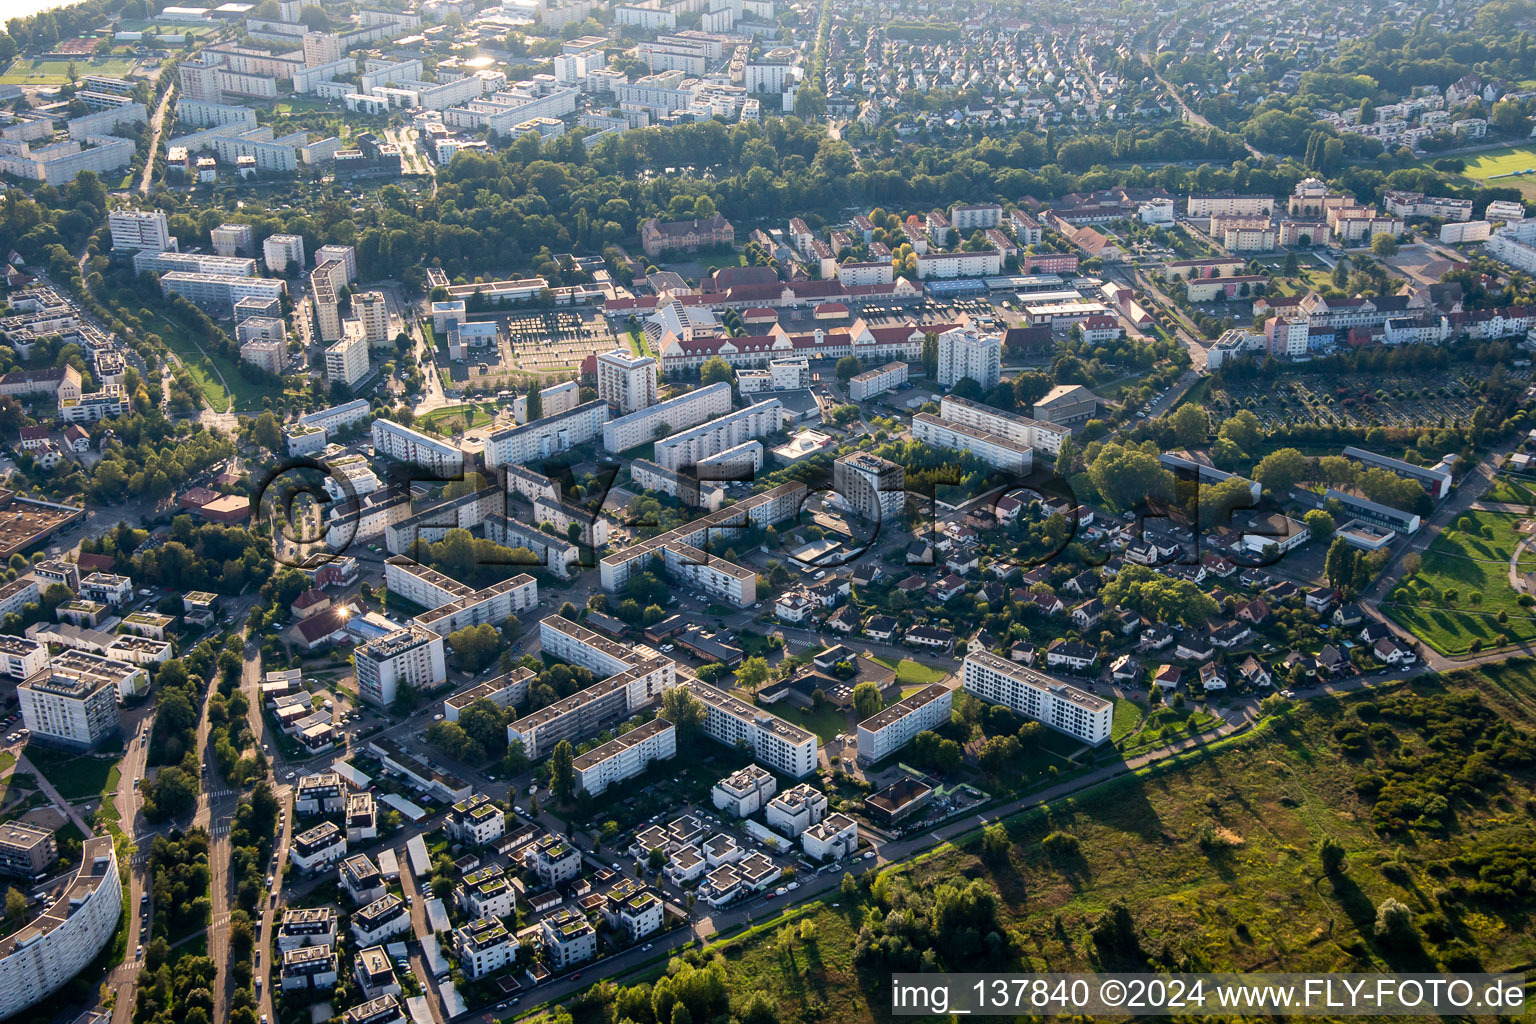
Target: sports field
[[1507, 167], [29, 71]]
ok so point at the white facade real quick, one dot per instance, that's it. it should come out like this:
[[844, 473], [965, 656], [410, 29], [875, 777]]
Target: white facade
[[992, 449], [883, 734], [140, 229], [412, 655], [542, 438], [625, 756], [347, 359], [680, 413], [1050, 701], [53, 947], [833, 838], [775, 743], [625, 381], [744, 792], [796, 809], [72, 709], [396, 441], [278, 250], [1022, 430], [874, 382], [965, 353], [689, 447]]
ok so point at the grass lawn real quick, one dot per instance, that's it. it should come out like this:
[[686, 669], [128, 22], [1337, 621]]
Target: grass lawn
[[1162, 727], [826, 723], [913, 673], [28, 71], [75, 776], [1128, 716], [1510, 491], [452, 419], [1498, 167], [246, 396], [1468, 563]]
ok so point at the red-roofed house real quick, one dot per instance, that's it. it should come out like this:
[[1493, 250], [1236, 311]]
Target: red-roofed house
[[1102, 328], [33, 438], [311, 602]]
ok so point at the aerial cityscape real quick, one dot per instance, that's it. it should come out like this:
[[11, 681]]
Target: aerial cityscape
[[691, 511]]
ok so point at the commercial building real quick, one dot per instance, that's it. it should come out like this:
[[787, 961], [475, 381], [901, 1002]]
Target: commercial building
[[413, 655], [697, 444], [870, 383], [775, 743], [625, 756], [1032, 694], [993, 449], [965, 353], [873, 487], [680, 413], [885, 733], [625, 381], [45, 953], [396, 441]]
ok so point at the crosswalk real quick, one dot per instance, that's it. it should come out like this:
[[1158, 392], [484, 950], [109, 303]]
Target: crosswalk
[[212, 795], [220, 830]]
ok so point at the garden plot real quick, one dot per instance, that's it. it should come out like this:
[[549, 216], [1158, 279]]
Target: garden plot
[[1354, 399]]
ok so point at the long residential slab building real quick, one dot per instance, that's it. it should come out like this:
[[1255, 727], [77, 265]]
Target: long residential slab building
[[881, 735], [1035, 695]]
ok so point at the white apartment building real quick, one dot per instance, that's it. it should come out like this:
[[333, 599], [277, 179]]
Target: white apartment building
[[484, 947], [372, 311], [346, 255], [72, 703], [553, 860], [1229, 205], [993, 449], [310, 926], [411, 655], [1052, 702], [832, 838], [234, 239], [50, 949], [745, 791], [218, 293], [873, 487], [625, 756], [317, 847], [486, 893], [1504, 210], [965, 353], [864, 386], [692, 446], [680, 413], [775, 743], [975, 217], [572, 642], [325, 283], [650, 477], [22, 657], [382, 919], [396, 441], [141, 229], [569, 938], [320, 793], [476, 821], [986, 263], [883, 734], [1287, 336], [347, 359], [361, 877], [550, 435], [279, 250], [558, 399], [796, 809], [1038, 434], [625, 381]]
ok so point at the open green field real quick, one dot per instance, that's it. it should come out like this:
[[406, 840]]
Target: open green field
[[1510, 490], [1462, 588], [454, 419], [28, 71], [913, 673], [1499, 167], [826, 723], [1215, 858], [167, 28], [75, 776], [1160, 728], [206, 370], [1128, 716]]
